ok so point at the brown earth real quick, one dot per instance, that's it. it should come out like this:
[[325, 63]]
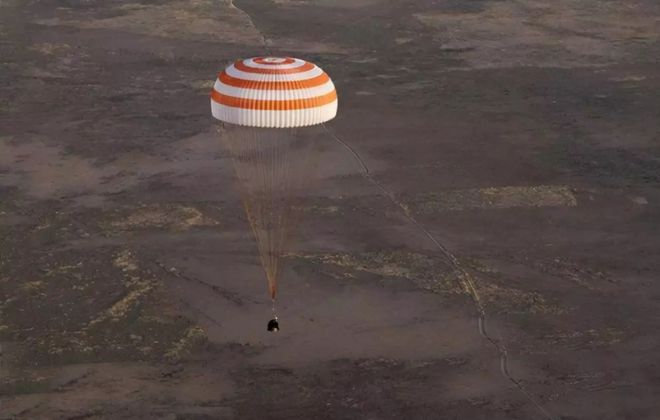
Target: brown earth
[[522, 134]]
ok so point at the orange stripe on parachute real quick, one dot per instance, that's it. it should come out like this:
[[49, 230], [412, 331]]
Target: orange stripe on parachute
[[280, 85], [240, 65], [269, 105]]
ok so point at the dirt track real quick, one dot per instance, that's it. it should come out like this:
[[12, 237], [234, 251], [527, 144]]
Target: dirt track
[[522, 135]]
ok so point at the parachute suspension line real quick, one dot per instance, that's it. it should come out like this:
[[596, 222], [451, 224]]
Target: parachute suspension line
[[464, 278], [274, 311], [242, 145], [272, 166]]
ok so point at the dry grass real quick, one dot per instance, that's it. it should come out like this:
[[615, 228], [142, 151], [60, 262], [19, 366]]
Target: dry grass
[[564, 33], [48, 48], [172, 217], [191, 19], [107, 308], [433, 274], [495, 198]]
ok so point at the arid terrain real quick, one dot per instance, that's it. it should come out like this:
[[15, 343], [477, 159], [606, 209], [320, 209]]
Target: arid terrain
[[500, 150]]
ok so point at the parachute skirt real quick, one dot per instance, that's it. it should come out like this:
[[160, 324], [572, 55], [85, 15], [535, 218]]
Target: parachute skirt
[[274, 119]]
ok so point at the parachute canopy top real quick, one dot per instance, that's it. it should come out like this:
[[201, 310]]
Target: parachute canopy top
[[277, 92]]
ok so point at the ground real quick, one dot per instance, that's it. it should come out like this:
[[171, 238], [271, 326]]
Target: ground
[[520, 135]]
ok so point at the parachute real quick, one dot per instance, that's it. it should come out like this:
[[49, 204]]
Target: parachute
[[268, 108]]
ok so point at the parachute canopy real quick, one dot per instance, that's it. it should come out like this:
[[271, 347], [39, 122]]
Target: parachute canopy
[[277, 92], [270, 109]]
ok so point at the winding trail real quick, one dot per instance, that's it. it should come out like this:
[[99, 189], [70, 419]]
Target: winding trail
[[465, 279], [264, 40]]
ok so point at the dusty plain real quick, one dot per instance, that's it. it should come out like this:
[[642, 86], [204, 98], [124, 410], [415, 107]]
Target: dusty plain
[[523, 135]]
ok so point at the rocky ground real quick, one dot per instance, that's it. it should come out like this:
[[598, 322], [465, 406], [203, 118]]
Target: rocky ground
[[521, 135]]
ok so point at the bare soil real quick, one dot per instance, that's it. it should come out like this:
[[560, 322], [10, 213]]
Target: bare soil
[[522, 134]]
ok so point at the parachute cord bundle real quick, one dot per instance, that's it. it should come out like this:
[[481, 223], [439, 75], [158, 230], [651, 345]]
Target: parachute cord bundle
[[464, 278], [274, 167]]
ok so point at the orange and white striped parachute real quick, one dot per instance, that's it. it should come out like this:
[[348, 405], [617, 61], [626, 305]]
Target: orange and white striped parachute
[[268, 107], [274, 92]]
